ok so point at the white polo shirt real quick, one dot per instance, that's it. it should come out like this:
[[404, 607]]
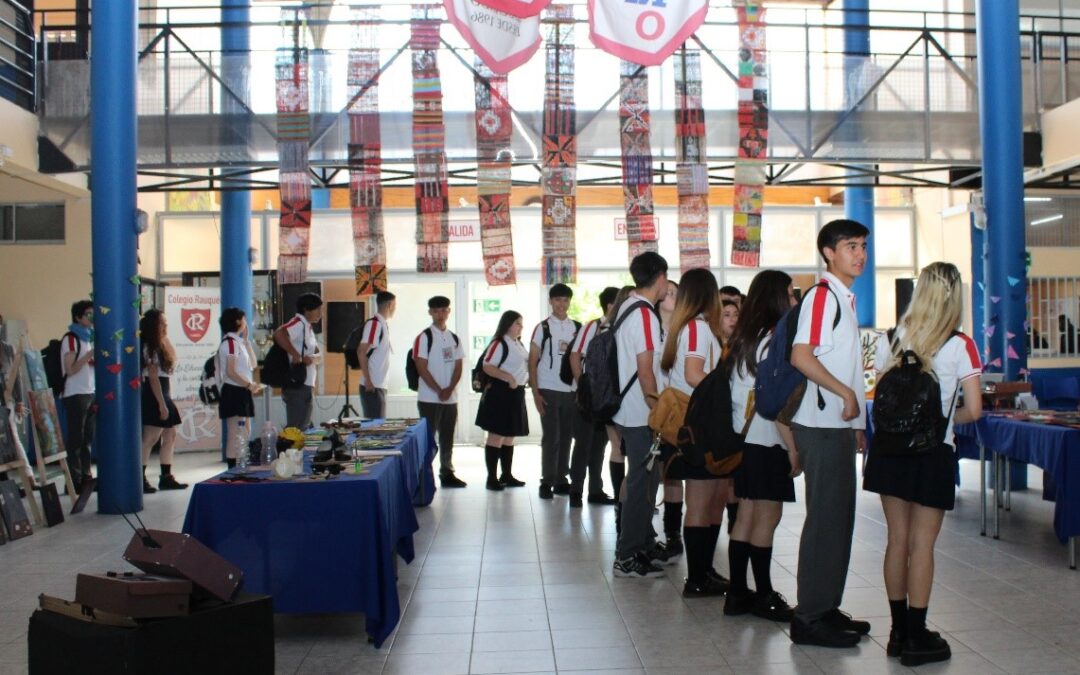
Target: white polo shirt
[[154, 359], [563, 332], [695, 341], [636, 335], [586, 335], [761, 431], [233, 349], [839, 350], [376, 334], [956, 361], [303, 341], [513, 356], [81, 382], [442, 352]]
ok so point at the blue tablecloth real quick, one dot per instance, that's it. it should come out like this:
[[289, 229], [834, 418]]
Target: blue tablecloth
[[417, 453], [1054, 449], [320, 546]]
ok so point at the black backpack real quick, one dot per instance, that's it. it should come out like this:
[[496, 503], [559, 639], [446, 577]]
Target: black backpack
[[53, 363], [412, 375], [565, 373], [356, 338], [598, 394], [907, 409], [480, 379], [707, 427], [209, 390]]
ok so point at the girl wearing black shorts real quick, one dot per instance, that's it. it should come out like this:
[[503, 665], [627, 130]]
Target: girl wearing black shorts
[[770, 461], [502, 406], [159, 414]]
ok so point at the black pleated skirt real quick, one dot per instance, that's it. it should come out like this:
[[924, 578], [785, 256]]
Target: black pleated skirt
[[502, 410], [929, 480], [150, 413], [765, 473], [235, 402]]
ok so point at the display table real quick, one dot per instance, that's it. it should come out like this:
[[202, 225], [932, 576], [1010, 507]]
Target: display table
[[321, 546]]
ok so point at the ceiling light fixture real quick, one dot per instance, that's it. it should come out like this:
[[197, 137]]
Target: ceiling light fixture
[[1048, 219]]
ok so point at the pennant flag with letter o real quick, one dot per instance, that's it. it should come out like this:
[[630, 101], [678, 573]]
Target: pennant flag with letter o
[[644, 31], [523, 9], [502, 41]]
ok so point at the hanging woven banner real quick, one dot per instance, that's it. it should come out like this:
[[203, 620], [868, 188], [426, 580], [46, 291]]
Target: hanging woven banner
[[293, 132], [365, 156], [522, 9], [429, 144], [637, 161], [502, 41], [691, 171], [493, 134], [643, 32], [559, 174], [750, 162]]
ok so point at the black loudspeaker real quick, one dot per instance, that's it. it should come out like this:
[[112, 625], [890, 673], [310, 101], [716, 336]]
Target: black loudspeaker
[[904, 289], [289, 295], [342, 318]]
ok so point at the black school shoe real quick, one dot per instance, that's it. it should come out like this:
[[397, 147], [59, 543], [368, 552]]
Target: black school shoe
[[561, 489], [147, 488], [169, 482], [511, 482], [575, 500], [704, 589], [601, 498], [822, 634], [926, 647], [449, 480], [772, 606], [545, 491], [739, 603], [843, 621], [494, 485], [895, 644]]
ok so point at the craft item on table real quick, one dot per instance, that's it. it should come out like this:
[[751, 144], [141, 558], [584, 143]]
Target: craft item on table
[[494, 130], [518, 8], [501, 41], [558, 176], [429, 143], [378, 452], [288, 464], [365, 155], [753, 120], [293, 134], [643, 32], [636, 151]]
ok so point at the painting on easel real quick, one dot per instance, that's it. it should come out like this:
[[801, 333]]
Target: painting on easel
[[46, 423], [8, 452]]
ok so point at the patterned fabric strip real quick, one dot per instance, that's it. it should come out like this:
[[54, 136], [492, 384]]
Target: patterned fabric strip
[[691, 171], [429, 144], [749, 183], [636, 146], [493, 135], [294, 130], [559, 173], [365, 156]]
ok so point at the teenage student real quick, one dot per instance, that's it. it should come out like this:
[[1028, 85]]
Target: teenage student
[[916, 491], [502, 406], [691, 352], [438, 357], [297, 337], [77, 362], [373, 354], [828, 429], [159, 414], [672, 545], [770, 462], [235, 365]]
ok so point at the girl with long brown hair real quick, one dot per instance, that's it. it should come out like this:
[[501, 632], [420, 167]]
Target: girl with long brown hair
[[159, 414]]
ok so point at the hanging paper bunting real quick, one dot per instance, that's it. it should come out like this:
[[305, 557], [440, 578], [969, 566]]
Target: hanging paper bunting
[[1009, 335], [559, 174], [691, 172], [293, 133], [995, 299], [989, 330], [636, 147], [749, 182], [493, 134], [429, 144], [501, 40], [643, 32], [1011, 353], [519, 8], [365, 156], [1013, 280], [996, 363]]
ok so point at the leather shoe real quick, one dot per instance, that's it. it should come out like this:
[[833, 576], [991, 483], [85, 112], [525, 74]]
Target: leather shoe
[[449, 480], [822, 634], [601, 498], [509, 481], [927, 647], [738, 603], [575, 500], [703, 589], [843, 621], [895, 644], [561, 490], [545, 491]]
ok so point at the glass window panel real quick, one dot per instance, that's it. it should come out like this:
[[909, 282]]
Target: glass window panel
[[39, 222], [788, 238], [7, 223], [178, 252], [893, 243], [411, 318]]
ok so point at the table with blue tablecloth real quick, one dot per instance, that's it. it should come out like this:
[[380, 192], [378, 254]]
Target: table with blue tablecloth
[[326, 545]]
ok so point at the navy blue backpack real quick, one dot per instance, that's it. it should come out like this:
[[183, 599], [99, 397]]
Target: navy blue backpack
[[780, 386]]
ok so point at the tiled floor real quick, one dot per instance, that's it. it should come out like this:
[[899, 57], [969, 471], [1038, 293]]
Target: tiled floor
[[507, 583]]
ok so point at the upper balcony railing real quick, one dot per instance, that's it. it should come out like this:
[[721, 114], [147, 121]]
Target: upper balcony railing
[[18, 63]]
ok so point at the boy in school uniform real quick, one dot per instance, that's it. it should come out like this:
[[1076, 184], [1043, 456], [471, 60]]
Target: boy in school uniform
[[77, 363], [829, 430], [438, 357], [373, 354]]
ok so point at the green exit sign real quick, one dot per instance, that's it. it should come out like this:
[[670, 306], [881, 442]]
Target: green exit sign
[[487, 306]]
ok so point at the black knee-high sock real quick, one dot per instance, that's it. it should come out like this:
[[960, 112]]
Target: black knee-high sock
[[491, 458], [672, 520], [506, 456], [714, 537], [230, 463], [696, 540], [760, 561], [916, 621], [898, 610], [617, 471], [732, 514], [738, 559]]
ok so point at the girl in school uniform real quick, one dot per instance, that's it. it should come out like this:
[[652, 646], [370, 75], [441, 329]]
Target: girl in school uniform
[[686, 360], [770, 461], [916, 491], [502, 407], [159, 414], [236, 365]]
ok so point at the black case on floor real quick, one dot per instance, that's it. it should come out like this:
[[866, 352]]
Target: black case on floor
[[50, 503], [11, 508]]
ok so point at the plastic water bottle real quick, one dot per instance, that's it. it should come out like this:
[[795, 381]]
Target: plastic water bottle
[[242, 450], [269, 442]]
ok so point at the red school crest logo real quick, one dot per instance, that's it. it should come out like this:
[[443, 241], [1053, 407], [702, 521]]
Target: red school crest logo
[[196, 322]]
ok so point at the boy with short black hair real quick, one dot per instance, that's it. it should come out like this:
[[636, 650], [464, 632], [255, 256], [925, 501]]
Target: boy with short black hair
[[438, 357], [373, 354], [828, 429], [77, 363], [297, 337]]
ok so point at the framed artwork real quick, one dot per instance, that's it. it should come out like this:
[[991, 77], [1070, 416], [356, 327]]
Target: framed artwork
[[35, 370], [7, 439], [47, 433]]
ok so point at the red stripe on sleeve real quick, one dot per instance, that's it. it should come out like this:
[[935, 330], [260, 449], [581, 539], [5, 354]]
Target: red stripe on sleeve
[[692, 336], [291, 322], [818, 316], [972, 351], [374, 327], [585, 335], [647, 327], [416, 347], [491, 352], [232, 346], [73, 345]]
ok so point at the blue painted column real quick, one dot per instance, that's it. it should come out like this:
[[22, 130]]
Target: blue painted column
[[997, 25], [114, 139], [236, 204], [858, 199]]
